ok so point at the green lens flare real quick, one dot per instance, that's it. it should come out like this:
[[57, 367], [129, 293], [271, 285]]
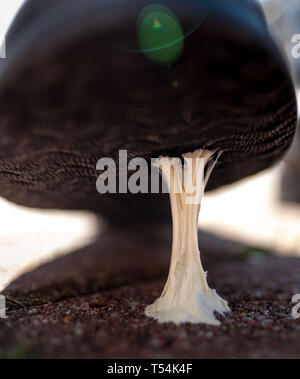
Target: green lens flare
[[160, 34]]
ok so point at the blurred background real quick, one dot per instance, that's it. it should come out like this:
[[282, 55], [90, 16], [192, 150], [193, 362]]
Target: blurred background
[[261, 211]]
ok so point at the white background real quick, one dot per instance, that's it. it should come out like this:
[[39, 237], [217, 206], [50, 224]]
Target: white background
[[8, 9]]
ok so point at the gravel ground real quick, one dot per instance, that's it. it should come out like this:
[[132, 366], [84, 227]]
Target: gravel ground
[[90, 304]]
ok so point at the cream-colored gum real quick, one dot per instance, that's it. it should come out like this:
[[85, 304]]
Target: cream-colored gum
[[186, 296]]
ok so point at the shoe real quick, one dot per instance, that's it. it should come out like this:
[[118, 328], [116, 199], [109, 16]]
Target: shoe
[[80, 82]]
